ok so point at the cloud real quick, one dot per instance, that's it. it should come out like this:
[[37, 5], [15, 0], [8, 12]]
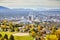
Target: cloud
[[30, 3], [54, 0]]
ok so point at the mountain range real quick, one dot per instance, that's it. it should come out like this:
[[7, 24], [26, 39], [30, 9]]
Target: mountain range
[[7, 12]]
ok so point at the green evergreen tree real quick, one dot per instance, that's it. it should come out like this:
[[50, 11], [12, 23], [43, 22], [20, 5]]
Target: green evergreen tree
[[11, 37], [0, 35], [6, 37]]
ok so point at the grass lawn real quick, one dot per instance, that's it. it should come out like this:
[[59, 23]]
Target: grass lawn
[[16, 37], [23, 38]]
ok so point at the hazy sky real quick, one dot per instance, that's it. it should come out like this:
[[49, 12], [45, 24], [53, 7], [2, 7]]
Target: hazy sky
[[30, 3]]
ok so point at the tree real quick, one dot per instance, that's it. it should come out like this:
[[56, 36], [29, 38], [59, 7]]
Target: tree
[[3, 27], [51, 37], [39, 27], [58, 33], [0, 35], [33, 33], [11, 37], [16, 29], [2, 38], [10, 24], [6, 37]]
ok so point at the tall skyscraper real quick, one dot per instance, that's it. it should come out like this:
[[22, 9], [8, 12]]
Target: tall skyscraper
[[30, 17]]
